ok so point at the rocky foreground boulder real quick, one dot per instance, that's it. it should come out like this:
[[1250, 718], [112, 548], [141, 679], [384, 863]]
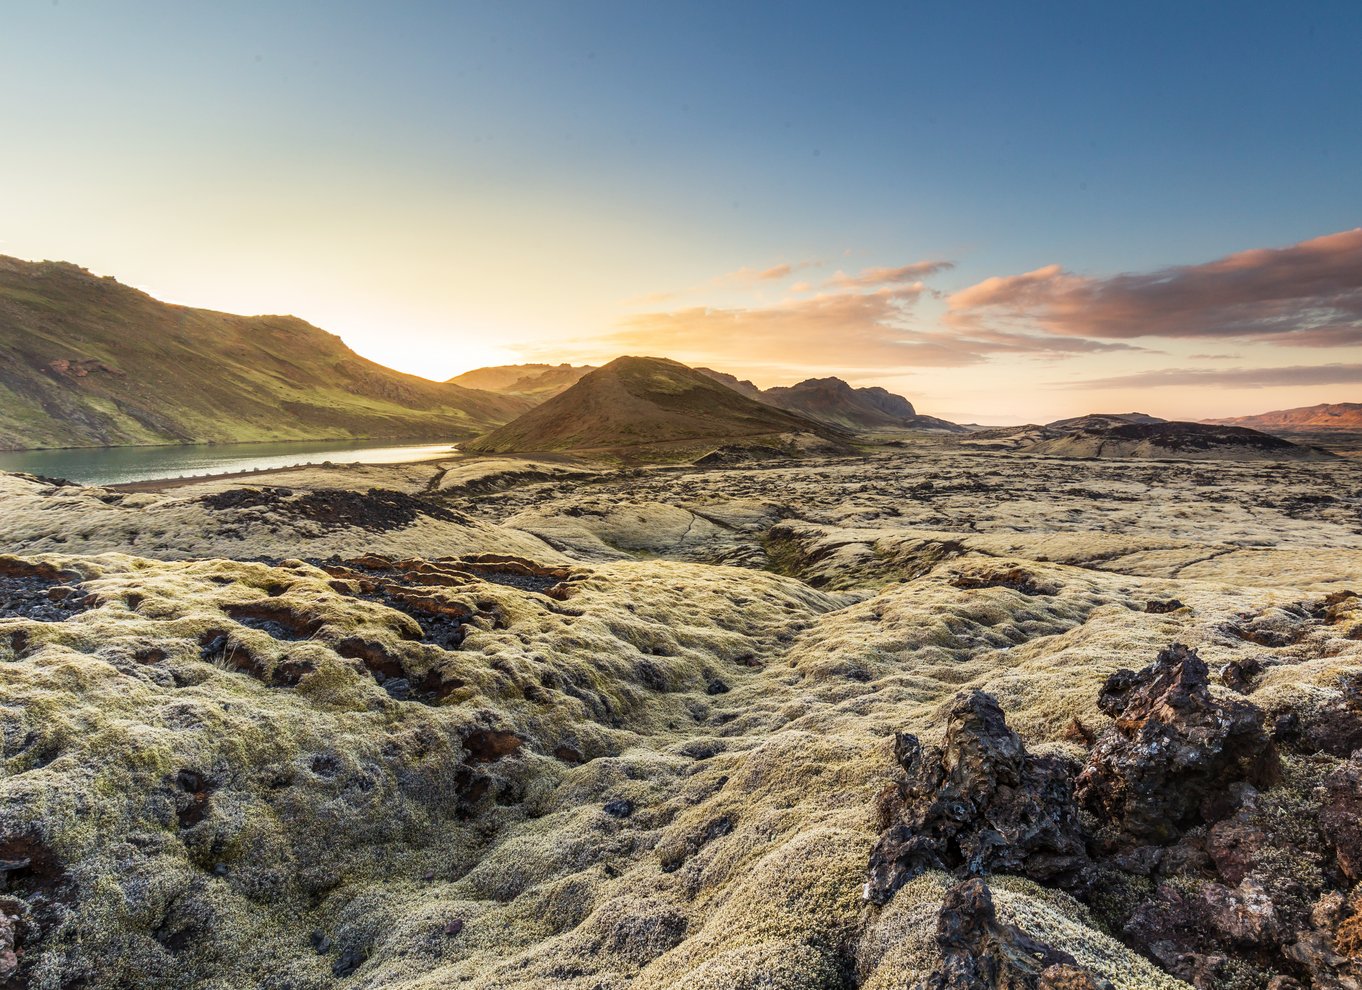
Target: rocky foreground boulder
[[1197, 844], [977, 804], [1173, 752]]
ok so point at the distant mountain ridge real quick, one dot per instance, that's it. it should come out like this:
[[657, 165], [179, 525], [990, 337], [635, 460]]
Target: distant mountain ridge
[[828, 400], [1104, 420], [88, 361], [641, 402], [833, 401], [537, 382], [1345, 416]]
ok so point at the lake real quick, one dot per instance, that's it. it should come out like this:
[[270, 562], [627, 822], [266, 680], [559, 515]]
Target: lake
[[120, 465]]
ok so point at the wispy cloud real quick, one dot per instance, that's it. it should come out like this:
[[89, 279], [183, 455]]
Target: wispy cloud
[[848, 331], [871, 277], [1309, 294], [754, 276], [1297, 375]]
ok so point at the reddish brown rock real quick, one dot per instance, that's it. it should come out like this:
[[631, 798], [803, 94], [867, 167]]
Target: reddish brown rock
[[1190, 933]]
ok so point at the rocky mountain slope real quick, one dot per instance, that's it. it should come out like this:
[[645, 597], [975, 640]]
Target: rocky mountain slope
[[536, 382], [509, 730], [86, 361], [1345, 416], [639, 402]]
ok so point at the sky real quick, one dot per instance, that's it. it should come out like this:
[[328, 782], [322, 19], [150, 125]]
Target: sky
[[1007, 212]]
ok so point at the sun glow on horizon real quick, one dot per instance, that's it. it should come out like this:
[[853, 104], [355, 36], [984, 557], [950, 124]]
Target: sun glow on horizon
[[525, 183]]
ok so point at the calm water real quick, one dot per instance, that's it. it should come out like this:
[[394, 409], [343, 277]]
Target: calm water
[[118, 465]]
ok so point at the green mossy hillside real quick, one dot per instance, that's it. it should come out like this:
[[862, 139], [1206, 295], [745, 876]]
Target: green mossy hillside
[[86, 361]]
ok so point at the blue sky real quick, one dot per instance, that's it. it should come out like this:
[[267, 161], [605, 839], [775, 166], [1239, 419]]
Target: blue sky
[[451, 184]]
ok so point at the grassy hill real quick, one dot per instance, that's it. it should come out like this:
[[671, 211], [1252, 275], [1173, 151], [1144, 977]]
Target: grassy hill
[[86, 361], [637, 402]]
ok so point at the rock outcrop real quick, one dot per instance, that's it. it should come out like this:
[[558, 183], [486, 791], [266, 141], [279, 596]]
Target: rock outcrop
[[1174, 751], [1197, 851], [978, 804]]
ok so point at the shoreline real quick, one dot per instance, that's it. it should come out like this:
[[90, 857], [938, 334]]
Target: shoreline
[[376, 441], [165, 484]]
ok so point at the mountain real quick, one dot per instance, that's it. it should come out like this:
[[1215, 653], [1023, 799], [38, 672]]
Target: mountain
[[536, 382], [1192, 441], [828, 400], [740, 385], [833, 401], [635, 402], [1097, 421], [1345, 416], [87, 361]]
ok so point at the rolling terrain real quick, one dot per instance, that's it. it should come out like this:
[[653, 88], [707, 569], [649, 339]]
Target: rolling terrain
[[87, 361], [923, 714], [511, 725], [1136, 436], [1173, 440]]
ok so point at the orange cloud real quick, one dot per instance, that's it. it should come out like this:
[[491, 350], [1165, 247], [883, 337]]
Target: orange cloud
[[1309, 294]]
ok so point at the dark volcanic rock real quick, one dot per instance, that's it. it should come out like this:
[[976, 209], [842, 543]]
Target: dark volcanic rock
[[40, 592], [1222, 884], [1335, 725], [1341, 816], [1173, 752], [619, 808], [1162, 606], [978, 952], [977, 804]]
